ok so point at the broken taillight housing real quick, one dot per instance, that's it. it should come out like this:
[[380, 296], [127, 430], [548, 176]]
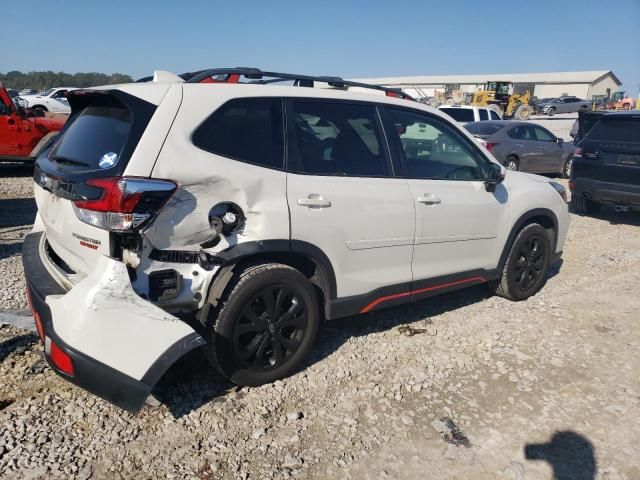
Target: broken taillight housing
[[123, 204]]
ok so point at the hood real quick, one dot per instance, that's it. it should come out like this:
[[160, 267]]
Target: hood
[[530, 176]]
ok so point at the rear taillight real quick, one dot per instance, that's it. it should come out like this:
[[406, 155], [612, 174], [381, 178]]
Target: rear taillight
[[578, 153], [123, 204], [60, 359], [490, 146], [36, 316]]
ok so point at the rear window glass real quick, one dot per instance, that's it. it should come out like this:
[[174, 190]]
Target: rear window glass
[[616, 130], [459, 114], [246, 129], [483, 128], [95, 139]]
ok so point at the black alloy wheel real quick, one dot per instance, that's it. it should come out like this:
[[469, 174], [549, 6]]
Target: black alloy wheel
[[270, 328], [530, 265]]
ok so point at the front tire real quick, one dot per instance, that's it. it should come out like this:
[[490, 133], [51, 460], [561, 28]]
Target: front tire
[[523, 112], [523, 274], [265, 325], [40, 108]]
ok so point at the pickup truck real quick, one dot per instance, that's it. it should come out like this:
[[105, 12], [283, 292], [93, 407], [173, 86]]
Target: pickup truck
[[467, 113], [606, 165], [24, 133], [53, 100]]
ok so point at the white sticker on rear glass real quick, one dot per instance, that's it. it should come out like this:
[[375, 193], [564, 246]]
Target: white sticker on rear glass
[[108, 160]]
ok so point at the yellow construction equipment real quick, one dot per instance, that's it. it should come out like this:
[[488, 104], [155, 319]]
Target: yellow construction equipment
[[508, 105]]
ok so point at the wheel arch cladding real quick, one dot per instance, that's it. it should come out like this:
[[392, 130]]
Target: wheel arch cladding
[[542, 216], [310, 260]]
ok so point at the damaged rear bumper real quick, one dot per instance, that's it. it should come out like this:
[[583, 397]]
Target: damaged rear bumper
[[119, 344]]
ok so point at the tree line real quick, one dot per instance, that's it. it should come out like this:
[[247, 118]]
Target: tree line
[[43, 80]]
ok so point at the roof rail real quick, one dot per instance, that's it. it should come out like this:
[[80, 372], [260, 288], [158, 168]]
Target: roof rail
[[301, 80]]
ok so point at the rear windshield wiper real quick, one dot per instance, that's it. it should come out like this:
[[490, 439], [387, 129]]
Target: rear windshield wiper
[[68, 160]]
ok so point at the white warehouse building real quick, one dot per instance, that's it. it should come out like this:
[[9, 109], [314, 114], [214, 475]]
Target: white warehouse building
[[542, 85]]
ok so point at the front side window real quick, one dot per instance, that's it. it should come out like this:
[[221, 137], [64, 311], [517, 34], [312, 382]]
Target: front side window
[[483, 114], [494, 115], [336, 139], [522, 132], [245, 129], [544, 135], [60, 94], [434, 150]]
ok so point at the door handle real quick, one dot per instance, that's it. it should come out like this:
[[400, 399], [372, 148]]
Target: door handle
[[543, 148], [519, 145], [429, 200], [314, 201]]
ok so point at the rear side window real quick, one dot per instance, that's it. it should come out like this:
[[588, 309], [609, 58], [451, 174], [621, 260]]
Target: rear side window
[[480, 128], [483, 114], [96, 138], [616, 130], [336, 139], [522, 132], [459, 114], [246, 129]]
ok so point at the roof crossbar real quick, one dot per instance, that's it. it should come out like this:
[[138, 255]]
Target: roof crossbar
[[302, 80]]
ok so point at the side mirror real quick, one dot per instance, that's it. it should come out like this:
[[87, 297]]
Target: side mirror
[[559, 140], [495, 175]]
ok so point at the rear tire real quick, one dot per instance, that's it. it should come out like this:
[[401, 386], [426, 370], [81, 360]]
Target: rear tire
[[582, 206], [264, 326], [511, 163], [551, 112], [523, 274]]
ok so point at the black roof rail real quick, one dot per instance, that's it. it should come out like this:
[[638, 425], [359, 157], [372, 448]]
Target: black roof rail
[[301, 80]]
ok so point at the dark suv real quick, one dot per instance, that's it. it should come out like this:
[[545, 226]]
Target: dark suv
[[606, 165]]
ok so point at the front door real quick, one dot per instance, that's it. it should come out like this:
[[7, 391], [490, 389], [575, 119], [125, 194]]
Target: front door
[[8, 127], [552, 158], [458, 222], [343, 196]]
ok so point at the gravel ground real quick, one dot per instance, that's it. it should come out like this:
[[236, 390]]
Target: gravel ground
[[484, 389]]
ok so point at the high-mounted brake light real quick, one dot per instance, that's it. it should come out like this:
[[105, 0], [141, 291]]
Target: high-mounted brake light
[[490, 146], [123, 204]]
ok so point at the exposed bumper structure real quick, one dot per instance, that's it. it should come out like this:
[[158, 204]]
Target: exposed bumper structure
[[118, 344]]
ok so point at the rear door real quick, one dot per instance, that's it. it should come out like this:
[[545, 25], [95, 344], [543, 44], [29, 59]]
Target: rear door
[[527, 148], [343, 196]]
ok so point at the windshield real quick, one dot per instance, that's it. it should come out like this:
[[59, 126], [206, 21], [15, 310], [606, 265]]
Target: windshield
[[616, 130], [459, 114], [483, 128], [46, 93]]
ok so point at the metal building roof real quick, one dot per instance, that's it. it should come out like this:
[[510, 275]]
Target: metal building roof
[[537, 78]]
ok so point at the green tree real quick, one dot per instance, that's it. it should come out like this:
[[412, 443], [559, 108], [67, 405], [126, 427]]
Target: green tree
[[48, 79]]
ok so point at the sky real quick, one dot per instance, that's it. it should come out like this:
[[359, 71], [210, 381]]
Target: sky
[[344, 38]]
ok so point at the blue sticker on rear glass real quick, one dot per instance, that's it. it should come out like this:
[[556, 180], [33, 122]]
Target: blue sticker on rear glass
[[108, 160]]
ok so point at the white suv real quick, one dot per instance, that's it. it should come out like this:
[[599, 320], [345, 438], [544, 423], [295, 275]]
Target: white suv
[[239, 216]]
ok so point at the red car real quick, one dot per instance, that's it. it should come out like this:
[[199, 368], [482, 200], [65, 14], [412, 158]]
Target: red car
[[23, 134]]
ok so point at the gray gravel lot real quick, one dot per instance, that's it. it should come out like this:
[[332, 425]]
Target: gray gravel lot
[[549, 384]]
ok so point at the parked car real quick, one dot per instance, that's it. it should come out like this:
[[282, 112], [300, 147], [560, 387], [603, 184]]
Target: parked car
[[28, 91], [53, 100], [178, 223], [467, 113], [606, 165], [23, 134], [524, 146], [563, 105]]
